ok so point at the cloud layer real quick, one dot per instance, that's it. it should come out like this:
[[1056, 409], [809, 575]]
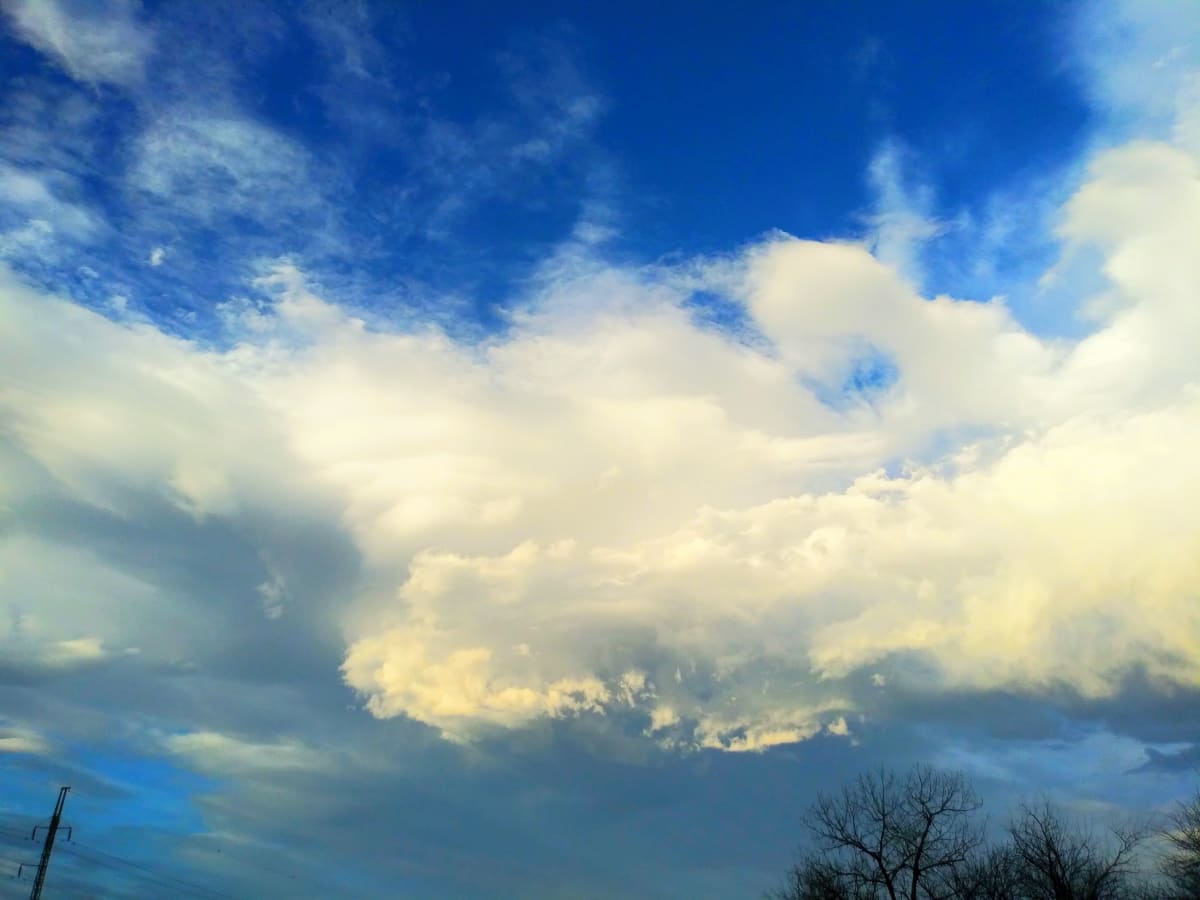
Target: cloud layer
[[356, 443], [615, 510]]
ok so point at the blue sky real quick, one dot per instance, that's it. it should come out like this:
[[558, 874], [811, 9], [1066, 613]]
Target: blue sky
[[455, 165], [447, 448]]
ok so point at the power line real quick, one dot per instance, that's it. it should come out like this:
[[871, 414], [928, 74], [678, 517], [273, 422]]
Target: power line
[[98, 857], [82, 856]]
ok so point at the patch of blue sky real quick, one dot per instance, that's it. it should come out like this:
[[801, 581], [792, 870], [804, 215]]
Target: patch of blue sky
[[865, 380], [761, 82], [1092, 771], [871, 374], [158, 795], [1004, 245], [127, 812], [461, 167], [455, 207], [715, 310]]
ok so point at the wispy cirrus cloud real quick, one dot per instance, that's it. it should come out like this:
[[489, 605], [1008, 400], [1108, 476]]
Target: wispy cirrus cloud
[[29, 196], [205, 167], [197, 165], [222, 754], [901, 221], [96, 45]]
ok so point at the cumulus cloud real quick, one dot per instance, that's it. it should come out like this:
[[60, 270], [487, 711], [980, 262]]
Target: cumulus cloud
[[612, 511], [273, 537], [97, 44]]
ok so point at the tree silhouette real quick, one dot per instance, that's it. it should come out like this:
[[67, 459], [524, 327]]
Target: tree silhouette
[[1057, 862], [1181, 868], [814, 878], [915, 837], [899, 838], [989, 875]]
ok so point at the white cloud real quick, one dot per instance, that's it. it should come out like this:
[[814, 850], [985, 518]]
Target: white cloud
[[63, 607], [93, 43], [19, 739], [76, 650], [223, 754], [205, 165], [838, 727], [613, 511], [900, 222], [662, 717], [31, 193], [274, 595], [1140, 60], [18, 744], [461, 689], [34, 238], [157, 255]]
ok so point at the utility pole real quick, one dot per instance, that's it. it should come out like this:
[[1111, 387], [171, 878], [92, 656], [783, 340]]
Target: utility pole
[[48, 846]]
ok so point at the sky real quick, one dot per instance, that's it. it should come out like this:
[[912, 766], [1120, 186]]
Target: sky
[[474, 450]]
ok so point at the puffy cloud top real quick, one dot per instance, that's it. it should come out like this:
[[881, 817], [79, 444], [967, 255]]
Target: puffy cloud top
[[613, 510]]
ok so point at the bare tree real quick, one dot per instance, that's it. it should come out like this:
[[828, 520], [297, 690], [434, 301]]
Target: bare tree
[[989, 875], [1054, 861], [1182, 864], [894, 838], [814, 878]]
